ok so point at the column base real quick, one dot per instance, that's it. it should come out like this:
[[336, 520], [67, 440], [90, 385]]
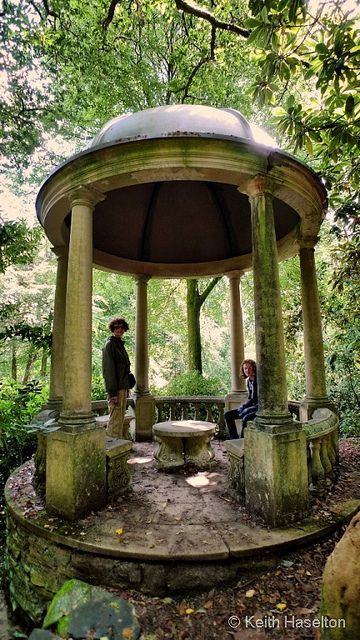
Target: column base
[[75, 471], [234, 399], [144, 417], [276, 475], [309, 405]]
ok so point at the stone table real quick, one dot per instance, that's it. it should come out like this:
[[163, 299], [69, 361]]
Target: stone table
[[184, 441]]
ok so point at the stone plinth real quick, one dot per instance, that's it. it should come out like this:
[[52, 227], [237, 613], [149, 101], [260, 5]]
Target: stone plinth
[[276, 475], [75, 472], [144, 417], [184, 442]]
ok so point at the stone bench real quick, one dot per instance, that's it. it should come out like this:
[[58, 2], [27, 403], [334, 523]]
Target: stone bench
[[117, 469], [103, 422], [183, 442], [236, 473]]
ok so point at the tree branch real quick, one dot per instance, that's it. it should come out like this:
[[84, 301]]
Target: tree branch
[[195, 10], [110, 15], [208, 289]]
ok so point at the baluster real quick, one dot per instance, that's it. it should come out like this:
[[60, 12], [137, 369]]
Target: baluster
[[324, 455], [331, 449], [197, 410], [210, 413], [335, 441], [308, 460], [221, 421], [185, 410], [172, 410], [317, 470], [160, 407]]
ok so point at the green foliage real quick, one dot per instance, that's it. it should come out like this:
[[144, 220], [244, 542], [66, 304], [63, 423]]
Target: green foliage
[[193, 384], [97, 388], [18, 406], [18, 243]]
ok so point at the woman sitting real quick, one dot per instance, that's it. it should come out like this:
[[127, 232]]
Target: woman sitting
[[246, 411]]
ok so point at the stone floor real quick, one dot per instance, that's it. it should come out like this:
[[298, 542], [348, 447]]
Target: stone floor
[[187, 515]]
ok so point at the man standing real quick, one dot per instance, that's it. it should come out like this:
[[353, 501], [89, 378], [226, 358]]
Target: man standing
[[116, 369]]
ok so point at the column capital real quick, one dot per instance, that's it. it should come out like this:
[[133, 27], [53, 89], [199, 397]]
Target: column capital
[[258, 185], [308, 242], [142, 277], [234, 275], [60, 252], [87, 196]]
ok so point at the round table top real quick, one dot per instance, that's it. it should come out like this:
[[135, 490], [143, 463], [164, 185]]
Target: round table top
[[183, 428]]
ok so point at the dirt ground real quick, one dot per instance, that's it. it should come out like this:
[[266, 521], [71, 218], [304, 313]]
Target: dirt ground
[[281, 601]]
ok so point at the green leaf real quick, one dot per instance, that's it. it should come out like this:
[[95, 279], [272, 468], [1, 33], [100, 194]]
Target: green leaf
[[349, 105]]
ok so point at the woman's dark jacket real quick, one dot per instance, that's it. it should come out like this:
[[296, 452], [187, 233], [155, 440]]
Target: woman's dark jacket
[[251, 386], [115, 365]]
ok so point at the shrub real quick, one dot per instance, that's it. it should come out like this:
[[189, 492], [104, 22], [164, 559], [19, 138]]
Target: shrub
[[193, 384], [98, 388], [18, 406]]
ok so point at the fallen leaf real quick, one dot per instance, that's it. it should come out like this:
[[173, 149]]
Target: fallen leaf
[[208, 604], [127, 633], [119, 532], [281, 606], [250, 593], [188, 611]]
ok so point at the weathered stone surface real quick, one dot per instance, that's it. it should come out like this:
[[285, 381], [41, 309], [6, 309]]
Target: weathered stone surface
[[79, 460], [98, 618], [276, 475], [107, 571], [199, 577], [43, 634], [72, 594], [341, 586]]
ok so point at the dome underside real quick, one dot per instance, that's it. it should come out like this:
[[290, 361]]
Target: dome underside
[[179, 222]]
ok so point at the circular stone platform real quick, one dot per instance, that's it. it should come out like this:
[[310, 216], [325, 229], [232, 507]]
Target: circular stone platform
[[173, 532]]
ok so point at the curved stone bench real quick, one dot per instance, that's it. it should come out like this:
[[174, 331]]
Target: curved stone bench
[[182, 442]]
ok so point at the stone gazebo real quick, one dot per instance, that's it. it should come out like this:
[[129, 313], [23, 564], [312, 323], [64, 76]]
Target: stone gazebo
[[182, 191]]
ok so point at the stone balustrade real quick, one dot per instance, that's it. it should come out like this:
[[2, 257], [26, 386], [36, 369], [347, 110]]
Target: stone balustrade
[[207, 409], [322, 437]]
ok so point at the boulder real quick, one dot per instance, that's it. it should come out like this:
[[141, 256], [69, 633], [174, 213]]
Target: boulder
[[340, 593], [81, 610]]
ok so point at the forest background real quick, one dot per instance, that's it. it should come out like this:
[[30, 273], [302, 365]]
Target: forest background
[[67, 67]]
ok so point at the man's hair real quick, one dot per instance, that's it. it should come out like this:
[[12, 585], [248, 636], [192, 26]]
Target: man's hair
[[120, 321], [252, 363]]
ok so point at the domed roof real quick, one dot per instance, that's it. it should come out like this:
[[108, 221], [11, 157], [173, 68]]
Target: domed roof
[[182, 120]]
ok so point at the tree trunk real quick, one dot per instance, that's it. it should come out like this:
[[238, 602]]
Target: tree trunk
[[13, 361], [194, 302], [29, 364], [44, 359], [193, 324]]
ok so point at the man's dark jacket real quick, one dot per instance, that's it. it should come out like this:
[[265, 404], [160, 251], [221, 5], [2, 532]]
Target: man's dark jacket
[[116, 366]]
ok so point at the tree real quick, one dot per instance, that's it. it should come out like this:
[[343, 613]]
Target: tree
[[194, 302], [308, 61], [18, 243]]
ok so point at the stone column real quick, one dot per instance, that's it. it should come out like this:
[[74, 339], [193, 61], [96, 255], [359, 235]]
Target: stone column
[[238, 393], [276, 479], [56, 390], [75, 466], [316, 396], [144, 401]]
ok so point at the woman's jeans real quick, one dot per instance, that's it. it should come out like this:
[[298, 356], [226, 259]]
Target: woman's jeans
[[245, 413]]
